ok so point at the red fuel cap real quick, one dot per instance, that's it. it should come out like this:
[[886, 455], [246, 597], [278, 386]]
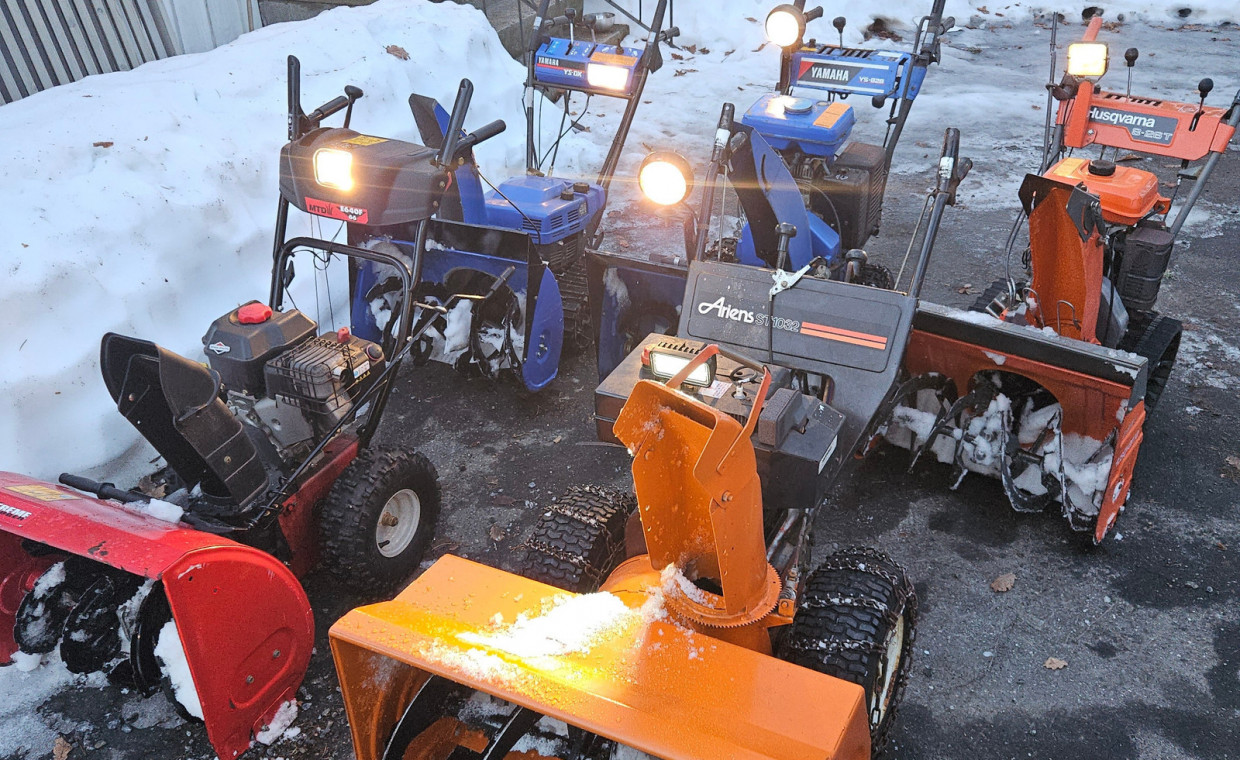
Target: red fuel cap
[[254, 313], [342, 335]]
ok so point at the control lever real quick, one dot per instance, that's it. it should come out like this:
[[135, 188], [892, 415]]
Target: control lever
[[838, 22], [1130, 60]]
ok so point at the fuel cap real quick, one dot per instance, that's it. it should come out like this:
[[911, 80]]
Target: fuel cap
[[581, 187], [797, 105], [1101, 167]]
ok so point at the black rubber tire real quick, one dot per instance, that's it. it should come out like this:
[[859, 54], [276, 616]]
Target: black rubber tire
[[1159, 343], [988, 296], [579, 539], [354, 507], [850, 605], [876, 276]]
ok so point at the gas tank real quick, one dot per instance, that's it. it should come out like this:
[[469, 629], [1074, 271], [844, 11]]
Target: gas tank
[[815, 127], [1128, 195]]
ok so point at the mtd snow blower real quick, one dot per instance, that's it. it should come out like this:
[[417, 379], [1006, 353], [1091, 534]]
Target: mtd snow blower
[[538, 224], [1047, 382], [269, 465], [799, 156], [683, 623]]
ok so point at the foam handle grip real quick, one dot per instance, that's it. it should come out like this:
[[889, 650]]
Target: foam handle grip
[[813, 14]]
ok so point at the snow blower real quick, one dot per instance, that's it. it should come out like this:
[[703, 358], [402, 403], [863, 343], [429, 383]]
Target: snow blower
[[699, 646], [692, 626], [798, 146], [521, 330], [190, 584], [1047, 382]]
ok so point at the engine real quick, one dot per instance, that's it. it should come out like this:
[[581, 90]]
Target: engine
[[286, 384]]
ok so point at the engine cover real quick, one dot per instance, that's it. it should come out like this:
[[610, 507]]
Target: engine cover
[[549, 209], [324, 375], [239, 349]]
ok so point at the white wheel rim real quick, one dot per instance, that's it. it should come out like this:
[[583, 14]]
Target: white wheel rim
[[398, 523], [893, 650]]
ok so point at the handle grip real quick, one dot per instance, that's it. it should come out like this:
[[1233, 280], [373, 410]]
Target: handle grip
[[452, 136], [335, 105], [481, 134], [102, 490], [813, 13], [670, 33]]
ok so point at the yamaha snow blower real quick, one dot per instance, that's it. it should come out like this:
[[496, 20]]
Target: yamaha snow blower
[[1048, 382], [191, 584], [538, 224], [706, 634], [798, 154]]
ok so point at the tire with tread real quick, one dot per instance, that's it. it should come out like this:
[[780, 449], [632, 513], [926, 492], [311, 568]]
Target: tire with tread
[[850, 606], [876, 276], [579, 539], [355, 505], [988, 296]]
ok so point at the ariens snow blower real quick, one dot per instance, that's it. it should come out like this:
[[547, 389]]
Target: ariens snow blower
[[1047, 382], [686, 622], [191, 583]]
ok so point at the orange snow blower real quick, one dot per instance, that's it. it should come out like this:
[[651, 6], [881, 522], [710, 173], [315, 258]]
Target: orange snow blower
[[1048, 381], [270, 468], [709, 642]]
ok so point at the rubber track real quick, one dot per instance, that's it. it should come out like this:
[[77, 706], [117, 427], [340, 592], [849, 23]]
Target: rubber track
[[1162, 333], [579, 539]]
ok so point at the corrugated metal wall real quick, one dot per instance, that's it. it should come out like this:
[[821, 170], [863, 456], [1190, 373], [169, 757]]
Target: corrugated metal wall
[[44, 43]]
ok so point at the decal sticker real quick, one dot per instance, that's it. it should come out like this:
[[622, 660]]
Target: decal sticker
[[865, 340], [365, 140], [13, 512], [1144, 127], [337, 211], [218, 348], [826, 73], [614, 59], [42, 493], [830, 115]]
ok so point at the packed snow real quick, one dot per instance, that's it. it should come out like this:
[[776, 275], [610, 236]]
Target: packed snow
[[171, 654], [280, 725]]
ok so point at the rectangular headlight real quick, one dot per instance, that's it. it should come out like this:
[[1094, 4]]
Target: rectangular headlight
[[334, 168], [667, 360], [604, 77], [1087, 60]]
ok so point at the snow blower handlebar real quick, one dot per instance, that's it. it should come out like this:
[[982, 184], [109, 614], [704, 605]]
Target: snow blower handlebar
[[299, 123], [102, 490], [952, 169]]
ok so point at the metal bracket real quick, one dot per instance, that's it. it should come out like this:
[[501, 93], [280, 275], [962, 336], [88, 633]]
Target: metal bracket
[[785, 279]]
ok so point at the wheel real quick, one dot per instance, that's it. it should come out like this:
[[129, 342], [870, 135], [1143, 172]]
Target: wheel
[[856, 621], [1159, 343], [579, 540], [876, 276], [379, 518]]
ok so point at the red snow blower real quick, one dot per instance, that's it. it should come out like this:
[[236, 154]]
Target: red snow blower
[[190, 584]]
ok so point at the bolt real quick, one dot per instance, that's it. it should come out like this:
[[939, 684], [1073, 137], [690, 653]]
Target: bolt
[[275, 655], [227, 460], [727, 496], [250, 679]]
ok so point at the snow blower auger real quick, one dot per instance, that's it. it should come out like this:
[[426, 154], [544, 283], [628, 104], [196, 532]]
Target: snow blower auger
[[709, 642], [268, 450], [797, 153], [1047, 382], [538, 224]]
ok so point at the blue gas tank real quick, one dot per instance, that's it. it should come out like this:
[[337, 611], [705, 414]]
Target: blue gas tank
[[814, 127], [550, 209]]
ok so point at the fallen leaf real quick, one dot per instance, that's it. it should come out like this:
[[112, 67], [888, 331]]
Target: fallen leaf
[[497, 533], [759, 47], [148, 486], [966, 289], [25, 245], [677, 57], [502, 500], [398, 51], [1003, 583], [691, 48], [104, 144], [557, 439], [751, 19], [1054, 663], [622, 242], [61, 748], [982, 9], [1130, 157], [682, 72]]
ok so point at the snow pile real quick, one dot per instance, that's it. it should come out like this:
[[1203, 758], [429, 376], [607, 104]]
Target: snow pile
[[23, 729], [171, 653], [150, 211], [159, 509], [570, 625], [281, 724]]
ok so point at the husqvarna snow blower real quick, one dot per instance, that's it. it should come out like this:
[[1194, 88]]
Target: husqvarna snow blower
[[192, 583], [686, 622], [1047, 382], [536, 225], [797, 153]]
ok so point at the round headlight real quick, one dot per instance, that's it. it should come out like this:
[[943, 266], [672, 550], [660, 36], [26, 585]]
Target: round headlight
[[665, 177], [785, 25]]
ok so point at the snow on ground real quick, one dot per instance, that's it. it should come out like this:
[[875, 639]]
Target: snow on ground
[[22, 728]]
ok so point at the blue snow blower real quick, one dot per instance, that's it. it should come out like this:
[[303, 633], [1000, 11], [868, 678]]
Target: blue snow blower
[[511, 259], [789, 160]]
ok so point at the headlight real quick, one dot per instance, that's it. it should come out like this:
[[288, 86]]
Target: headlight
[[668, 358], [1087, 60], [664, 178], [334, 168], [785, 25], [604, 77]]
